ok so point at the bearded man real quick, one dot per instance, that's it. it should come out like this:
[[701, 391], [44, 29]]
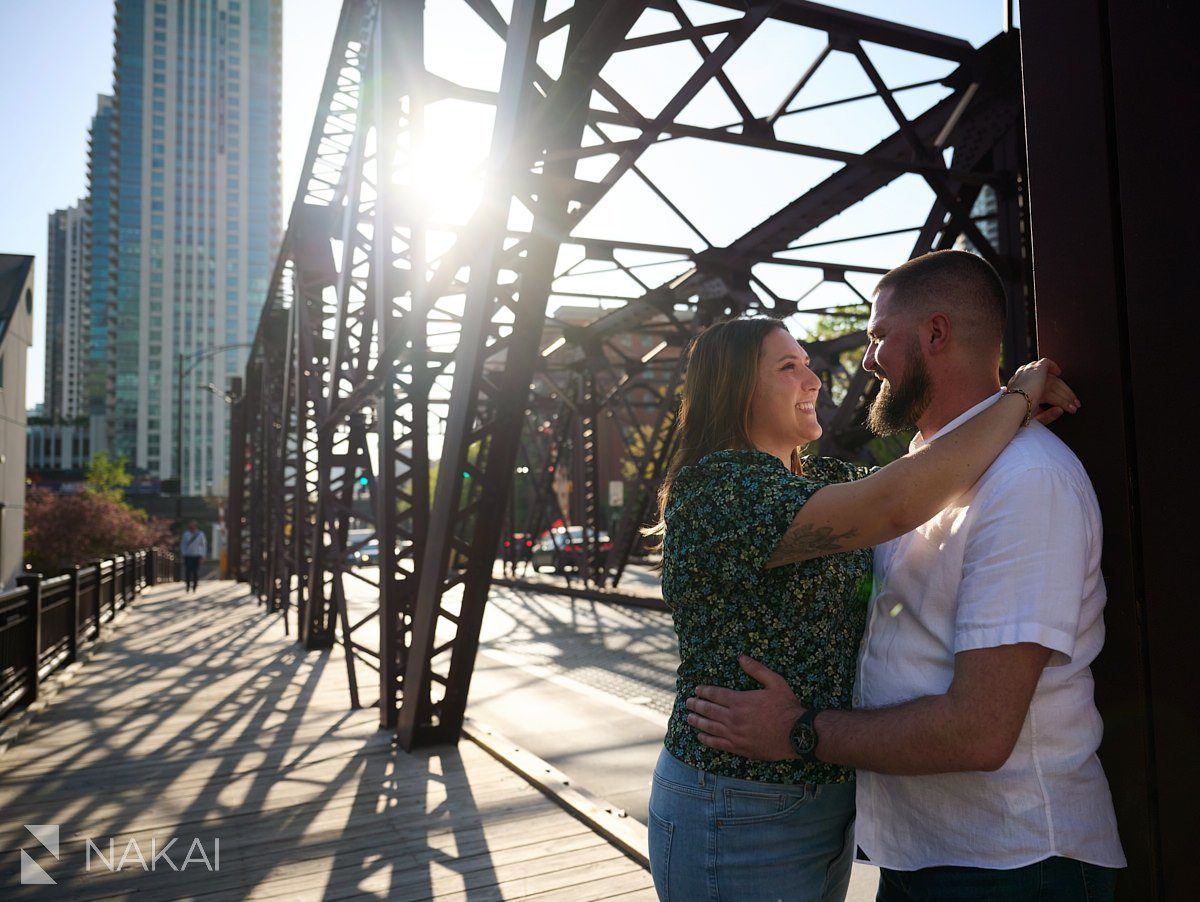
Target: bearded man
[[974, 727]]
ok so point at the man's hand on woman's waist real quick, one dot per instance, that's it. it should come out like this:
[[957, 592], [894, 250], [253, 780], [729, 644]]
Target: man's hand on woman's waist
[[973, 726], [755, 723]]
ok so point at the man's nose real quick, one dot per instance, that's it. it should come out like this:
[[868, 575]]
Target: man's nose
[[869, 359]]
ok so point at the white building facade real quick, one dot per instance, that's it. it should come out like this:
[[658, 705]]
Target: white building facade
[[16, 335]]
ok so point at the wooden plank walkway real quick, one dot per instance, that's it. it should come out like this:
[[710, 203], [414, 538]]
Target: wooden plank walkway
[[198, 720]]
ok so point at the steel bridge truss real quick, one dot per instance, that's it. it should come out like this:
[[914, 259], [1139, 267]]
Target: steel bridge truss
[[406, 385]]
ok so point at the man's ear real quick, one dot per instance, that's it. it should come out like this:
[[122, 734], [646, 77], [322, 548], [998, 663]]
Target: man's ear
[[936, 334]]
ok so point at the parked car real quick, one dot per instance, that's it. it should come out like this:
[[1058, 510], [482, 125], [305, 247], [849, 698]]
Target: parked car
[[365, 555], [563, 549]]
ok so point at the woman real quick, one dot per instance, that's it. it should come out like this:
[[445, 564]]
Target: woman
[[743, 520]]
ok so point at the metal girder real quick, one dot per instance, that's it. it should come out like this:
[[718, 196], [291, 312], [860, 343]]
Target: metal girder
[[981, 122], [545, 443], [853, 184], [649, 464], [842, 23], [595, 31], [390, 383]]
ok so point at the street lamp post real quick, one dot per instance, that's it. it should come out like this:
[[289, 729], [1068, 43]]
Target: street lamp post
[[179, 443], [196, 359]]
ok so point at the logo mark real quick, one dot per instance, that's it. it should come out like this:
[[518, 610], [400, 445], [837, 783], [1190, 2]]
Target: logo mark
[[31, 871]]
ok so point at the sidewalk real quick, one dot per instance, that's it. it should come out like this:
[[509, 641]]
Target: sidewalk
[[199, 721]]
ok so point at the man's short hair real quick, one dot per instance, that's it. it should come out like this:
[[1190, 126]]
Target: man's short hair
[[958, 283]]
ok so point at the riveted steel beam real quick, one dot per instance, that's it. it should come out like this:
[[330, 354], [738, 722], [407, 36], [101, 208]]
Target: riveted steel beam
[[401, 383]]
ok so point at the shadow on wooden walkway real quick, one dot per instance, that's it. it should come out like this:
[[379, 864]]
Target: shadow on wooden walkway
[[197, 720]]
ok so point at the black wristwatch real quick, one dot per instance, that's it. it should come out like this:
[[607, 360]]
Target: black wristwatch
[[804, 735]]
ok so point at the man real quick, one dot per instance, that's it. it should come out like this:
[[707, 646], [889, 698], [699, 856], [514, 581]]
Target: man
[[974, 730], [194, 548]]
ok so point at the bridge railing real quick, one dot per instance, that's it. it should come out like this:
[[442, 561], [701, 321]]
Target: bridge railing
[[43, 622]]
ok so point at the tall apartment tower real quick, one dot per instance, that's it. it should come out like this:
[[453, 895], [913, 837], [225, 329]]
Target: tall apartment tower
[[67, 312], [196, 210], [102, 271]]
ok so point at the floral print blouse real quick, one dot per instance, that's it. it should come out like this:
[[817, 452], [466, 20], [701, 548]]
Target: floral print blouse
[[724, 517]]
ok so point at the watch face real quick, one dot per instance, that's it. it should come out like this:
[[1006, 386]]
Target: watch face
[[804, 738]]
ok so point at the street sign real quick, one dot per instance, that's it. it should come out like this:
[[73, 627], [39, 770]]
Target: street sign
[[616, 493]]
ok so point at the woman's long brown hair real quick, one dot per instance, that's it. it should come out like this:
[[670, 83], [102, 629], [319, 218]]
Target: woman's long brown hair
[[714, 411]]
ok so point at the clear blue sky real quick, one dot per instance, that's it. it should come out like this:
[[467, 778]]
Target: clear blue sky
[[58, 57]]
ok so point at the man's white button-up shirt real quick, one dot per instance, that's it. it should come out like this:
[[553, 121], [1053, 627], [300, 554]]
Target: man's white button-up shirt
[[1015, 559]]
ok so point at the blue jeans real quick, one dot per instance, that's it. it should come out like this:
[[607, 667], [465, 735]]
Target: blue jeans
[[714, 837], [1052, 880], [191, 570]]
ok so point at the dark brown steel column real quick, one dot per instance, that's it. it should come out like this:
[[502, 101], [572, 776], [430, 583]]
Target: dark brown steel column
[[1107, 86], [235, 509], [399, 69]]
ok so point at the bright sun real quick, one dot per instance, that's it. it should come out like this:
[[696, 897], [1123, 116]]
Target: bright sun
[[449, 161]]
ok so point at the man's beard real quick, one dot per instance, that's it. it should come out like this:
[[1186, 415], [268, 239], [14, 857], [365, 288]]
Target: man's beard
[[897, 408]]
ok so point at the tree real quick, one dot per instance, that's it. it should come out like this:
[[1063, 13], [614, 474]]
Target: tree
[[853, 319], [107, 477], [66, 529]]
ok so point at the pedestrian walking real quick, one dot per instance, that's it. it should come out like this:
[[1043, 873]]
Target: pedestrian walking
[[194, 548]]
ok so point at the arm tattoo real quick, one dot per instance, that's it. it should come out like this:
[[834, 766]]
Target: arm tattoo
[[807, 542]]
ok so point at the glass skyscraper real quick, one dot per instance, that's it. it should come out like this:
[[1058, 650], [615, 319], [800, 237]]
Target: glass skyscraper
[[196, 205], [102, 270]]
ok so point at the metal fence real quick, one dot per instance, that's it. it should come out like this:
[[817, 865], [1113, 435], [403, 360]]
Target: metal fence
[[43, 622]]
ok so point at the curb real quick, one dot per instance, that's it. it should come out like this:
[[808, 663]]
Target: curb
[[609, 821]]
